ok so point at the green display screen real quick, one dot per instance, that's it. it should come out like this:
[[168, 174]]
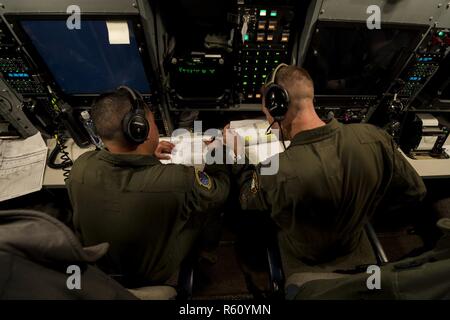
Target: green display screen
[[199, 71]]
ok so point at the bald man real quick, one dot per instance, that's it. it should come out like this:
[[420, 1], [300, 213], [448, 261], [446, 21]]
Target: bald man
[[330, 180]]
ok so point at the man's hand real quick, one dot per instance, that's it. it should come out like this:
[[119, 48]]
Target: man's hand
[[233, 141], [163, 150]]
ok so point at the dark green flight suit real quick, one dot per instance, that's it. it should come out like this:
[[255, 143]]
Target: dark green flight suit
[[150, 213], [330, 181]]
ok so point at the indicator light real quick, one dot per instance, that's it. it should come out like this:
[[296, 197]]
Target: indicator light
[[246, 37], [441, 34], [272, 25], [263, 13], [273, 13]]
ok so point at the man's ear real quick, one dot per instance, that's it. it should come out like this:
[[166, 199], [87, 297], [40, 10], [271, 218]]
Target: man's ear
[[266, 112]]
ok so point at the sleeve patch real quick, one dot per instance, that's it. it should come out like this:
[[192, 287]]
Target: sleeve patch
[[254, 187], [203, 179]]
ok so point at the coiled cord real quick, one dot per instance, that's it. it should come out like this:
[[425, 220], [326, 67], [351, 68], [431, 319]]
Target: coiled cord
[[60, 149]]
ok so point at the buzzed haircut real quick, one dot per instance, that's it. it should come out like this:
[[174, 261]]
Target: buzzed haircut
[[297, 82], [108, 112]]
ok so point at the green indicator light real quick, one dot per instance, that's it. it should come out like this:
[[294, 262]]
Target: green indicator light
[[246, 37], [441, 34], [244, 83], [263, 13], [273, 13]]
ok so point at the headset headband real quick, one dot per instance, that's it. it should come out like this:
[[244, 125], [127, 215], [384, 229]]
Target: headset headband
[[136, 100], [273, 75]]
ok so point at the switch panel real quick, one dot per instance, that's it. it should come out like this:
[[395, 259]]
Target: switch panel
[[15, 68], [425, 63], [264, 39]]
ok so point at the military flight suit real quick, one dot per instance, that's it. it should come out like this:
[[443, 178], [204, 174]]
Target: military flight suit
[[330, 181], [150, 213]]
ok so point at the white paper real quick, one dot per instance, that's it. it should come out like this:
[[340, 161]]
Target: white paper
[[428, 120], [22, 166], [253, 131], [259, 146], [427, 143], [261, 152], [118, 32], [189, 150], [248, 123]]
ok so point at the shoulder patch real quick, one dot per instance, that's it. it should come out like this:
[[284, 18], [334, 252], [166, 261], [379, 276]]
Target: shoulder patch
[[254, 187], [203, 179]]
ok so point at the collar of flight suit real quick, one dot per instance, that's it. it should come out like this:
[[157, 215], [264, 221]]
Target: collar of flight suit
[[317, 134], [122, 159]]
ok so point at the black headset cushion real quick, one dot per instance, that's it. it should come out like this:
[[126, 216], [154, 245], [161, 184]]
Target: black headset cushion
[[276, 100], [135, 126]]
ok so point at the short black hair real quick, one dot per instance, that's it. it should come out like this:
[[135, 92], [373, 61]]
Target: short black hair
[[108, 112], [296, 81]]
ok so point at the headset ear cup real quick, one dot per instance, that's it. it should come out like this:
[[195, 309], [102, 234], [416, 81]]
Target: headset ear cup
[[136, 127], [277, 101]]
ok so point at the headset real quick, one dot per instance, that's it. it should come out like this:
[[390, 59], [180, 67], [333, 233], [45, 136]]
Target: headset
[[276, 97], [135, 125]]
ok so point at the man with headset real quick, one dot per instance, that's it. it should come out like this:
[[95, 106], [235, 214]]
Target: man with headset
[[152, 215], [331, 178]]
